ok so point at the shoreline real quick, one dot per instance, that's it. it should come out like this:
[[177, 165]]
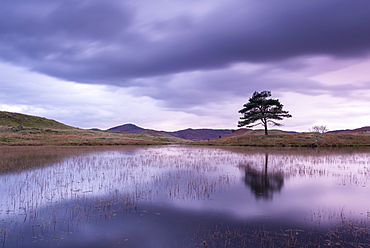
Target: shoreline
[[82, 137]]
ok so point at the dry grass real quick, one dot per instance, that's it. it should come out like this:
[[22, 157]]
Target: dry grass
[[42, 136], [39, 137], [17, 121], [293, 140], [21, 129], [345, 234]]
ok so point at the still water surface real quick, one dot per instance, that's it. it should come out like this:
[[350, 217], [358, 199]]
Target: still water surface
[[174, 196]]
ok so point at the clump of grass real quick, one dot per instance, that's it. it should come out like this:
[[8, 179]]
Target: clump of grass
[[3, 235], [346, 234]]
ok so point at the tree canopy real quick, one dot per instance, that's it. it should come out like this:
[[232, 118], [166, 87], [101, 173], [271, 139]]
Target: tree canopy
[[260, 108]]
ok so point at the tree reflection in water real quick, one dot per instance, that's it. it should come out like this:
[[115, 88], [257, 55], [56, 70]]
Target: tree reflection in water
[[262, 183]]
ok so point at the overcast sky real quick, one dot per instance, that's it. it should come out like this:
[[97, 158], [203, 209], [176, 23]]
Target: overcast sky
[[176, 64]]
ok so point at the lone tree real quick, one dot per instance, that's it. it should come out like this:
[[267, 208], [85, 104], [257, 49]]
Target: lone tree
[[265, 110]]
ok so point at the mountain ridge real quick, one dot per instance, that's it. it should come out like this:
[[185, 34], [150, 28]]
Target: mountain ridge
[[211, 134], [188, 134], [356, 130]]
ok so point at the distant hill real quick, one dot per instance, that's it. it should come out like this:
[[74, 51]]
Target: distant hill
[[356, 130], [133, 129], [189, 134], [127, 128], [20, 121]]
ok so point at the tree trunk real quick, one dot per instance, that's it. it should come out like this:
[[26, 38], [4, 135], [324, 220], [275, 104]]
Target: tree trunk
[[266, 132]]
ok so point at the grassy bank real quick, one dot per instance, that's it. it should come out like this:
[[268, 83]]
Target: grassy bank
[[293, 140], [45, 136], [19, 129], [13, 136]]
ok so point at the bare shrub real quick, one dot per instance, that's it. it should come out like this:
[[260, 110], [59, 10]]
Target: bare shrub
[[318, 129]]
